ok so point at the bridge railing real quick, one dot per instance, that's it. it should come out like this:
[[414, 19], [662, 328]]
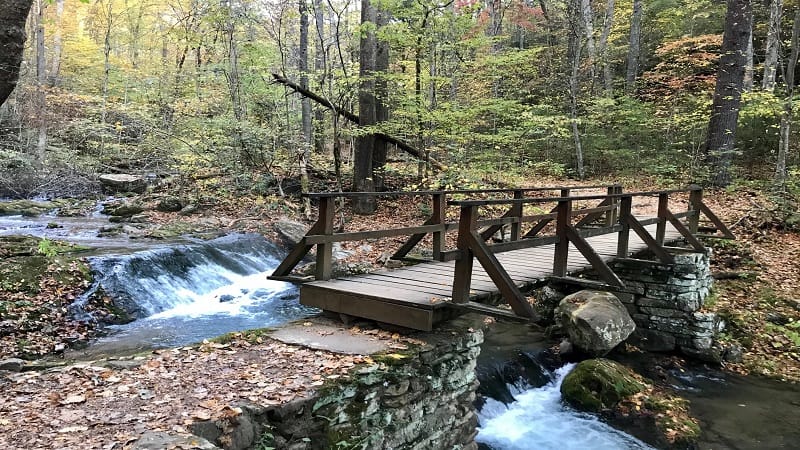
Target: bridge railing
[[472, 246], [323, 234]]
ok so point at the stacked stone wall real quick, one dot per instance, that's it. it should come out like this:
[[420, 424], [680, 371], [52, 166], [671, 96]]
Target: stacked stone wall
[[417, 399], [666, 303]]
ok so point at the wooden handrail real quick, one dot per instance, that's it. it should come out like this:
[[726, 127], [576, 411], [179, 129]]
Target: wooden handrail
[[615, 208], [619, 219], [532, 200], [452, 192]]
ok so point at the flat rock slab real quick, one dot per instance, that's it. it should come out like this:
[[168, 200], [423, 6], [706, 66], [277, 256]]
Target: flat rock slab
[[325, 334]]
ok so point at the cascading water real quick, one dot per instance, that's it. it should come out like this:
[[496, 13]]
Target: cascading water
[[186, 293], [520, 403], [538, 419]]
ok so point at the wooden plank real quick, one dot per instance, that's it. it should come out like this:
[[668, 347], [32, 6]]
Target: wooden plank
[[387, 293], [561, 253], [500, 277], [623, 238], [652, 245], [399, 283], [716, 221], [488, 310], [596, 261], [462, 274], [367, 307], [428, 280], [325, 250], [373, 234]]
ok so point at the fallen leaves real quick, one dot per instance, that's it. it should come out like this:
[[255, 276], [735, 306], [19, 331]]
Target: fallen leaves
[[89, 406]]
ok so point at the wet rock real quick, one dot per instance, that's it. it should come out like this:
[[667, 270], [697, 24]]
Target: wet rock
[[290, 231], [652, 340], [777, 318], [12, 364], [733, 352], [157, 440], [109, 231], [53, 225], [226, 298], [27, 208], [121, 182], [127, 210], [170, 204], [598, 384], [188, 210], [595, 321], [140, 218]]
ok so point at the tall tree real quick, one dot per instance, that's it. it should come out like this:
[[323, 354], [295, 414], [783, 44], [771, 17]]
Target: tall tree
[[55, 62], [41, 79], [13, 14], [721, 139], [305, 113], [748, 68], [602, 48], [577, 27], [634, 46], [786, 117], [362, 159], [773, 45]]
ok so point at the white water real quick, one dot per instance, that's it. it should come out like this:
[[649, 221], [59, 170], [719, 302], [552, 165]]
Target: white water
[[539, 420], [187, 293]]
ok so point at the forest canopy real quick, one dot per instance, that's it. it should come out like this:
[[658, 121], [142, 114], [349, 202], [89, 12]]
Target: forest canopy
[[488, 90]]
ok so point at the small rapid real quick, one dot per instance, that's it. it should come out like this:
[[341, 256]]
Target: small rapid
[[189, 292], [538, 419]]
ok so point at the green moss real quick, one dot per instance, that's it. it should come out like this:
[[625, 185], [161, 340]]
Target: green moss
[[251, 336], [598, 384]]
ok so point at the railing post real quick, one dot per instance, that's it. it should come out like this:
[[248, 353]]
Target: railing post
[[462, 278], [517, 214], [663, 208], [625, 205], [611, 215], [695, 205], [438, 218], [325, 250], [563, 219]]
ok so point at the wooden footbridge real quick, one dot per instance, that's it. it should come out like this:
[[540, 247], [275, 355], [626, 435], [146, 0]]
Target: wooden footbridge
[[553, 234]]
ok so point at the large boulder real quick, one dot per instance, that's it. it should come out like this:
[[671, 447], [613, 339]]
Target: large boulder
[[290, 231], [123, 182], [595, 321], [598, 384]]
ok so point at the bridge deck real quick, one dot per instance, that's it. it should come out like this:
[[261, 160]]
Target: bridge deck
[[417, 296]]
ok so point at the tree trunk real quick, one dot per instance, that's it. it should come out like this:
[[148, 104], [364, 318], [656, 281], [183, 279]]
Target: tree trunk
[[319, 70], [576, 28], [786, 118], [41, 81], [587, 16], [773, 45], [305, 107], [634, 47], [13, 15], [55, 64], [362, 159], [748, 68], [602, 48], [721, 138], [381, 108]]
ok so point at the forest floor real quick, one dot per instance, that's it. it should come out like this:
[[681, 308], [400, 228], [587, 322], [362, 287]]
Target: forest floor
[[113, 402]]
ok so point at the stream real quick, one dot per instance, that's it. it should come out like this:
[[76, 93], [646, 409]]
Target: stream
[[179, 291], [520, 404], [187, 290]]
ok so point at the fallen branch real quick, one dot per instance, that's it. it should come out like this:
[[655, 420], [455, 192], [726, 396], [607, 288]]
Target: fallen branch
[[354, 118]]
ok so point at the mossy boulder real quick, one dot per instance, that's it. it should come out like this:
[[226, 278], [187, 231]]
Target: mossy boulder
[[27, 208], [598, 384]]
